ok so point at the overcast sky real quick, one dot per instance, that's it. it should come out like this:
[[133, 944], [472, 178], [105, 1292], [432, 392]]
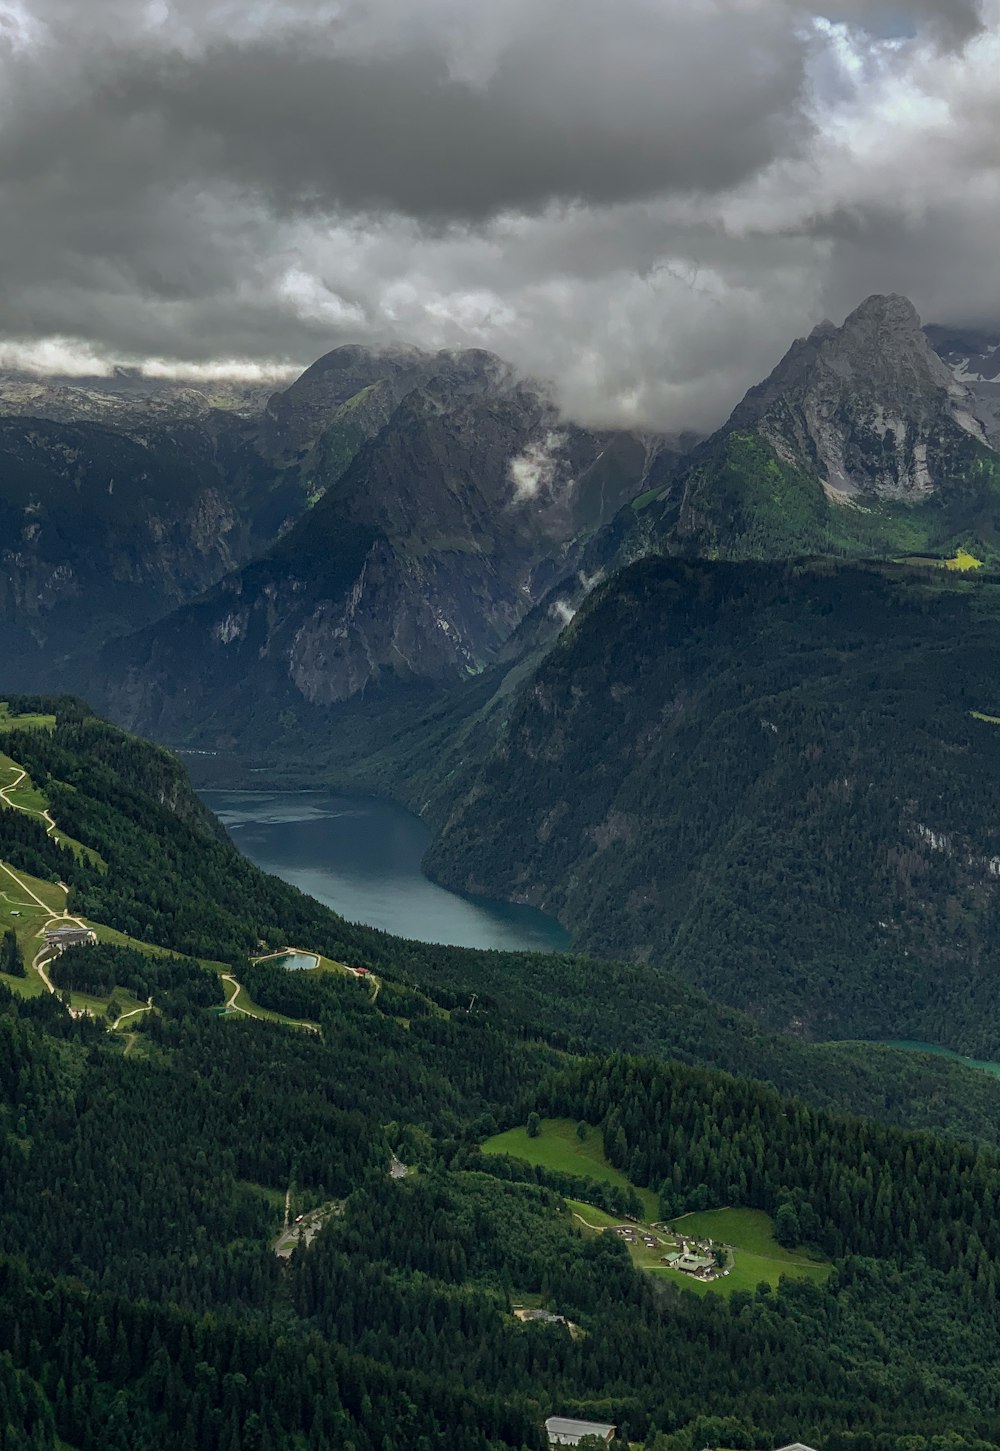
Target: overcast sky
[[644, 200]]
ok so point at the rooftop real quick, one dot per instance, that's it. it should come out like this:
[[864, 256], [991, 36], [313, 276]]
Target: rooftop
[[563, 1428]]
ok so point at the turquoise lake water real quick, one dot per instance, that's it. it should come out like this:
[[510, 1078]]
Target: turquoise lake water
[[362, 858], [981, 1063]]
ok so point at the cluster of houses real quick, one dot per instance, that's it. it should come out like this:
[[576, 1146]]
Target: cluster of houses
[[564, 1431], [631, 1235], [695, 1257]]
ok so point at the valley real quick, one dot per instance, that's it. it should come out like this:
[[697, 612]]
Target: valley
[[362, 856], [628, 1110]]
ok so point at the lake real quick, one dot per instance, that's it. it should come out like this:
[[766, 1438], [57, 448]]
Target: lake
[[362, 858], [913, 1046]]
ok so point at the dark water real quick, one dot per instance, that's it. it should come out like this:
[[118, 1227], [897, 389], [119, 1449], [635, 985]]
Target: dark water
[[362, 857]]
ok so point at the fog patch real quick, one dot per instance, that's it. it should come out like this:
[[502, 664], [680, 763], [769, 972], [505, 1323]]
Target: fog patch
[[562, 611], [535, 469]]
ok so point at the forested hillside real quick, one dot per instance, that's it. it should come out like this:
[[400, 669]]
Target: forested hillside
[[780, 781], [188, 1141], [164, 874]]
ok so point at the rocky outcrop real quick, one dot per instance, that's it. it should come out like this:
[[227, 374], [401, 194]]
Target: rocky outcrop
[[413, 568], [869, 406], [100, 531]]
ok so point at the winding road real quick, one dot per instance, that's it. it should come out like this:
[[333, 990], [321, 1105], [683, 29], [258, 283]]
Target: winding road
[[50, 826]]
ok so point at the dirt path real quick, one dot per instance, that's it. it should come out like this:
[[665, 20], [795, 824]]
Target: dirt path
[[38, 964], [50, 826], [232, 1005], [44, 953], [146, 1007]]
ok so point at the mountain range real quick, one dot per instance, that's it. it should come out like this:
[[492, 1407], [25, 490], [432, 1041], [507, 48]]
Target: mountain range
[[445, 504], [408, 572]]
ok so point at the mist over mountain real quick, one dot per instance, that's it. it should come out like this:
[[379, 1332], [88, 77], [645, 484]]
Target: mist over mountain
[[465, 498]]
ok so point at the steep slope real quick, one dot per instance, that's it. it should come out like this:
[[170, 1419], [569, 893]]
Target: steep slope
[[973, 356], [102, 530], [780, 781], [122, 498], [414, 567], [861, 442], [166, 874]]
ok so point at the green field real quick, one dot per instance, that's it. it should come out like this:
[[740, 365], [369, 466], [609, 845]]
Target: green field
[[961, 561], [10, 722], [98, 1007], [757, 1254], [557, 1147]]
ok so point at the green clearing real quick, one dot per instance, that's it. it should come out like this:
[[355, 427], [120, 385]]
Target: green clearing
[[28, 798], [28, 722], [961, 562], [97, 1007], [30, 986], [980, 715], [115, 938], [557, 1147], [757, 1254], [748, 1233], [643, 1257], [20, 884], [274, 1197]]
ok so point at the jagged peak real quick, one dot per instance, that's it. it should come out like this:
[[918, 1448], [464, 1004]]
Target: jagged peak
[[824, 329], [889, 308]]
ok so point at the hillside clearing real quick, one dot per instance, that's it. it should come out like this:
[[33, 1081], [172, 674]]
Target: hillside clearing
[[557, 1147]]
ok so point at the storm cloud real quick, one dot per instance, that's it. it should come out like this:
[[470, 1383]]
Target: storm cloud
[[644, 200]]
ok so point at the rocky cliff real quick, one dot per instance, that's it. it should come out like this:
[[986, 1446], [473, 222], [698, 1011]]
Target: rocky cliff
[[413, 568], [862, 441]]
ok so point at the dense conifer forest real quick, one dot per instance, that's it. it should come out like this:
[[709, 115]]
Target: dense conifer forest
[[146, 1174], [779, 781]]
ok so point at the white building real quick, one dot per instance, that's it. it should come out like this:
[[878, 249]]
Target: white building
[[565, 1432]]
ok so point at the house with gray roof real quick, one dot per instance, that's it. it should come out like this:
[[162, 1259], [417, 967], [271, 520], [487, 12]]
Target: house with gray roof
[[563, 1431]]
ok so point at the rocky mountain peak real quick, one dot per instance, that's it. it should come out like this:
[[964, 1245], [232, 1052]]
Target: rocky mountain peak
[[868, 406]]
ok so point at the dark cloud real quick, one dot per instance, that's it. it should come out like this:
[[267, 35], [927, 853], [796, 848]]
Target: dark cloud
[[644, 199], [600, 105]]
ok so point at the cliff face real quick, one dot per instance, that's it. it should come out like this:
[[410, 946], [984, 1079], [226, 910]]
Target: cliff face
[[413, 568], [861, 442], [869, 406], [100, 530], [122, 498]]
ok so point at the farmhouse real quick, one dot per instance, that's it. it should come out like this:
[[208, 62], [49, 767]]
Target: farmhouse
[[62, 937], [564, 1432]]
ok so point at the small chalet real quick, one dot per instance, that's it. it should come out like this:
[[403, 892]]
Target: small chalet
[[565, 1432]]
